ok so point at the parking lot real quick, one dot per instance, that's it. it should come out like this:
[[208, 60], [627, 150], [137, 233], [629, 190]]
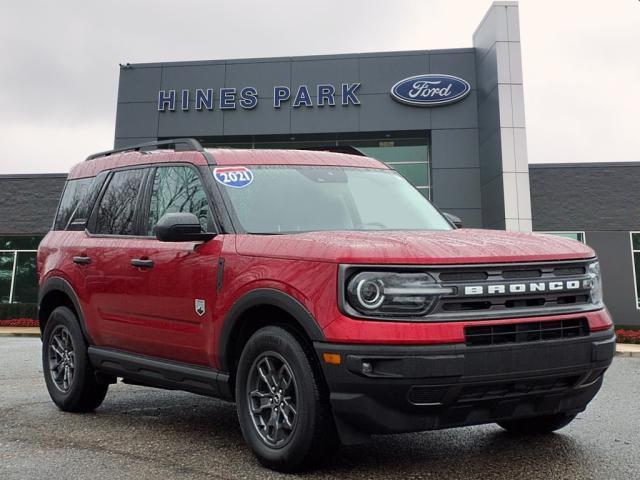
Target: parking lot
[[144, 433]]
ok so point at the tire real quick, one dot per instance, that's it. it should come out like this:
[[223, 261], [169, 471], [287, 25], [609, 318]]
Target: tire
[[72, 385], [537, 425], [307, 433]]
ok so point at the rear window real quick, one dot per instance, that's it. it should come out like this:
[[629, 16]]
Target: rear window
[[77, 202], [74, 192], [116, 212]]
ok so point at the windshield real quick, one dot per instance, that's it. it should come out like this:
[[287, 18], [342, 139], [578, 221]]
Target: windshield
[[286, 199]]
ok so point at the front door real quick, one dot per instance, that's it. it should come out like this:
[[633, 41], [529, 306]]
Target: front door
[[172, 287]]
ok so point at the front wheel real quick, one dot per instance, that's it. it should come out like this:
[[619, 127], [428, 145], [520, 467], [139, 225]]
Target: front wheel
[[68, 374], [283, 407], [537, 425]]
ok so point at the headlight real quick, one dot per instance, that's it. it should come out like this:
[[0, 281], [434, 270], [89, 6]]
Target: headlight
[[393, 294], [595, 283]]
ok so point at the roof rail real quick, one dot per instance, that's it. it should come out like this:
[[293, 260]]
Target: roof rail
[[338, 149], [179, 144]]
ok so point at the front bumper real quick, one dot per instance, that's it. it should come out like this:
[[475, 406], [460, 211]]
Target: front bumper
[[416, 388]]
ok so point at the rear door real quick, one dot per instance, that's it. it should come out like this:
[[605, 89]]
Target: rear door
[[111, 232], [172, 286]]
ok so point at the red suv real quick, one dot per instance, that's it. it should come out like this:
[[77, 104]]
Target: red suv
[[318, 290]]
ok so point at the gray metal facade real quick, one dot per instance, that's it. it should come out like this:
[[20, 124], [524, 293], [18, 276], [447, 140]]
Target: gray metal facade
[[478, 148], [28, 202], [602, 200]]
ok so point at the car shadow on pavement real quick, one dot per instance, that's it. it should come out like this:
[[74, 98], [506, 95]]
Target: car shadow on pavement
[[183, 426]]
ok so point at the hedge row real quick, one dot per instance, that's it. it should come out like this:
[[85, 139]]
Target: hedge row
[[628, 336], [11, 311]]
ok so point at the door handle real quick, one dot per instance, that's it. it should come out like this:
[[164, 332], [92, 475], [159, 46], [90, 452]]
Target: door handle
[[82, 260], [142, 262]]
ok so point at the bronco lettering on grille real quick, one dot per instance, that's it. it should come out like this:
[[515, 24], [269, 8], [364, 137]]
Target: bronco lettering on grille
[[530, 287]]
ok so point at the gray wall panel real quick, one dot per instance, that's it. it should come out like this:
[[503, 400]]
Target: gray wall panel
[[137, 120], [378, 74], [201, 76], [471, 217], [139, 84], [325, 119], [488, 115], [493, 208], [461, 65], [462, 114], [263, 120], [127, 142], [487, 73], [456, 187], [263, 76], [491, 153], [380, 112], [192, 123], [334, 71], [455, 148]]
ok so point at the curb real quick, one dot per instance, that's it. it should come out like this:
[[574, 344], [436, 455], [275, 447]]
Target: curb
[[20, 332], [626, 353]]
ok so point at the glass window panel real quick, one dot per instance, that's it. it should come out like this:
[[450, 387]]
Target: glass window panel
[[426, 192], [6, 272], [74, 192], [416, 173], [117, 207], [25, 283], [175, 190], [579, 236], [636, 260], [635, 238], [416, 153], [21, 242]]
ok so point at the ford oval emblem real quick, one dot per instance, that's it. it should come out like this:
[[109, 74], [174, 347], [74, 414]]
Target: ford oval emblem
[[430, 90]]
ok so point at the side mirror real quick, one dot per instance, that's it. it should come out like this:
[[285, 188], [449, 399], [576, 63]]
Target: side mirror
[[181, 227], [453, 220]]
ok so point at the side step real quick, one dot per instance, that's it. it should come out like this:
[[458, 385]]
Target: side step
[[161, 373]]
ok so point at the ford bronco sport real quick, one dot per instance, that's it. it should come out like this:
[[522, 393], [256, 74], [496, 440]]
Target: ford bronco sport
[[318, 290]]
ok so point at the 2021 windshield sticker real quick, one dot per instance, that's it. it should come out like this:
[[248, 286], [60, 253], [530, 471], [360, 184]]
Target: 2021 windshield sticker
[[235, 177]]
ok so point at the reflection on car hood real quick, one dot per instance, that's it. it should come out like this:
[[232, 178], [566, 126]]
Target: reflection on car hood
[[414, 247]]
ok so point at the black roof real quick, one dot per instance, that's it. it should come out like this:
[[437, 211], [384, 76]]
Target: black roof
[[28, 202], [585, 196]]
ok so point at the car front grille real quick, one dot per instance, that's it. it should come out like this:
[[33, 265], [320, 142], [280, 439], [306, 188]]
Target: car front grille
[[461, 306], [525, 332]]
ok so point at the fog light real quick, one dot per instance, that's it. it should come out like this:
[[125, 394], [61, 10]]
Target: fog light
[[367, 368]]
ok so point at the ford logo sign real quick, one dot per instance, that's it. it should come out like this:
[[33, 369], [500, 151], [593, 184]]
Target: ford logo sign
[[430, 90]]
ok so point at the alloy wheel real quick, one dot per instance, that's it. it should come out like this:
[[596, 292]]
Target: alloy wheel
[[62, 359], [272, 397]]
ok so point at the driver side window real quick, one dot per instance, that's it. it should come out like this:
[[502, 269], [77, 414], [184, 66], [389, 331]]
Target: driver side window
[[177, 189]]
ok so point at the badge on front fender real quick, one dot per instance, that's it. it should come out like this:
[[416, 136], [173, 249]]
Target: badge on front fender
[[200, 306]]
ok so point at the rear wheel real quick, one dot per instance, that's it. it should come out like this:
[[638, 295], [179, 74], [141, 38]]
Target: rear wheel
[[69, 376], [283, 407], [538, 425]]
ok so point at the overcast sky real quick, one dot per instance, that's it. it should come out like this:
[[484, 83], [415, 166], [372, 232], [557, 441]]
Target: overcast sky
[[59, 62]]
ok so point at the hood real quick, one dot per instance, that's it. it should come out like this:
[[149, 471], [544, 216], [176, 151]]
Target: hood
[[415, 247]]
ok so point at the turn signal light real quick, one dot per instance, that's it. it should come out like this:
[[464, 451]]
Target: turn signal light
[[331, 358]]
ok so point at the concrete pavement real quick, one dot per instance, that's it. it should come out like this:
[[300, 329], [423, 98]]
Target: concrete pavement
[[142, 433]]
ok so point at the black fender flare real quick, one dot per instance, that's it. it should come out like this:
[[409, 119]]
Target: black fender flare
[[264, 297], [61, 285]]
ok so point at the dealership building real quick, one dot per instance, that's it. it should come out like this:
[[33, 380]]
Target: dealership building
[[451, 121]]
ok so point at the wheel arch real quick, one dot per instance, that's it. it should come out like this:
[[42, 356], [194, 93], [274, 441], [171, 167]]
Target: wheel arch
[[255, 310], [56, 292]]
